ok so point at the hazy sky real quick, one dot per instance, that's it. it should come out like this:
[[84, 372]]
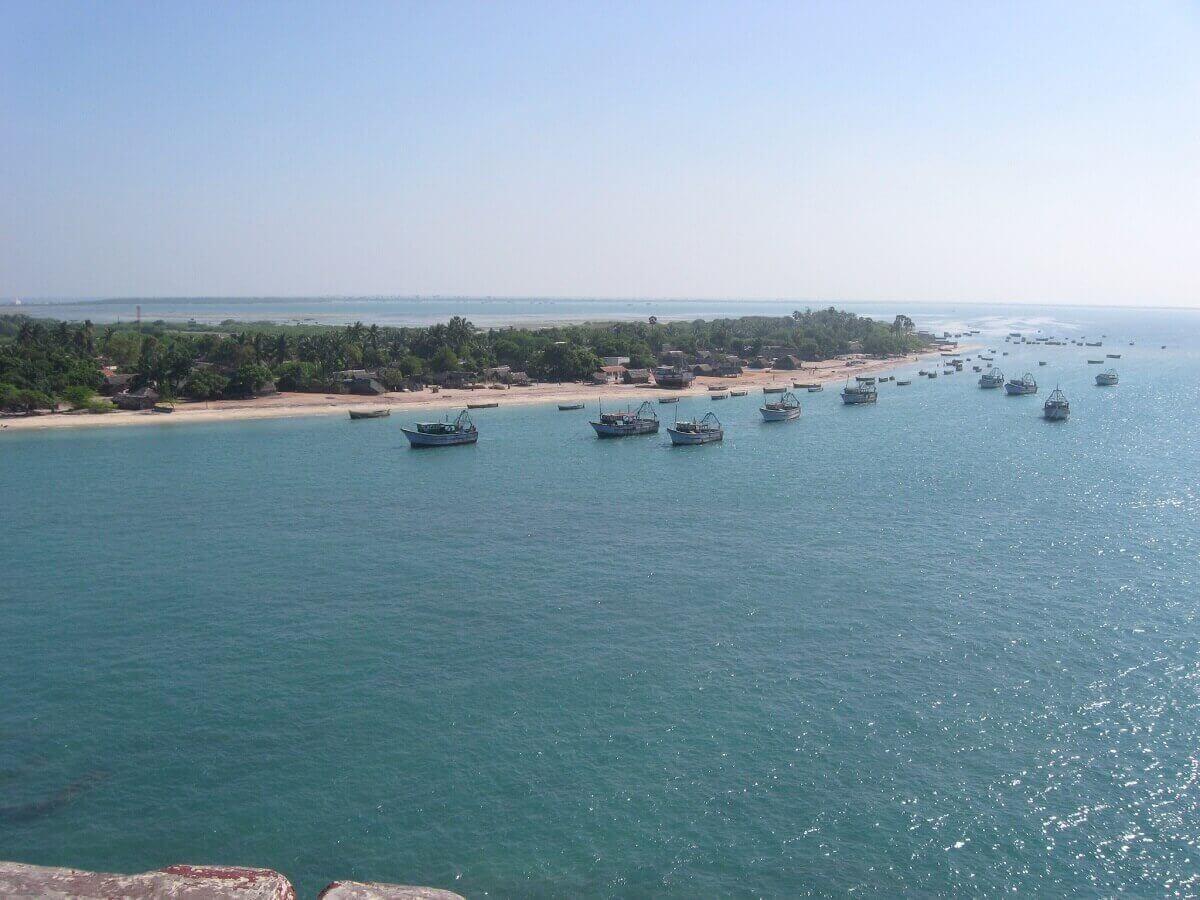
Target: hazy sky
[[1040, 152]]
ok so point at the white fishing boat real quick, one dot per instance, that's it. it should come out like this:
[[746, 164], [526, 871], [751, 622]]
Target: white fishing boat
[[698, 431], [1019, 387], [854, 395], [1107, 379], [784, 409], [626, 423], [1056, 407], [443, 434]]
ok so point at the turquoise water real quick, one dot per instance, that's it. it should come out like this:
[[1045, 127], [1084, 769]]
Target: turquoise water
[[934, 646]]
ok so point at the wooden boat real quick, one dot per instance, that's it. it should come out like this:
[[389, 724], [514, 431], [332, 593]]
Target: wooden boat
[[701, 431], [716, 387], [815, 388], [858, 394], [563, 407], [931, 374], [668, 399], [1056, 408], [443, 434], [718, 397], [1041, 362], [992, 378], [1095, 362], [1107, 379], [163, 408], [903, 382], [1019, 387], [491, 405], [865, 379], [370, 413], [785, 409], [741, 393], [774, 389], [1113, 355], [626, 424]]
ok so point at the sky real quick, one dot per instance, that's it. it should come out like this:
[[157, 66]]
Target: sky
[[1041, 152]]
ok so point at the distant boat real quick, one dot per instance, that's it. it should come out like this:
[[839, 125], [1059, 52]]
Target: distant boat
[[1056, 407], [625, 424], [491, 405], [1095, 362], [931, 374], [904, 382], [741, 393], [854, 395], [700, 431], [865, 379], [815, 388], [443, 434], [563, 407], [1019, 387], [668, 399], [1093, 344], [719, 397], [992, 378], [1113, 355], [370, 413], [784, 409], [1041, 362], [716, 387], [1107, 379], [773, 389]]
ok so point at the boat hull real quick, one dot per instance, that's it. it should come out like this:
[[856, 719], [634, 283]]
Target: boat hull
[[420, 439], [1102, 381], [779, 415], [1017, 390], [1056, 414], [605, 430], [857, 399], [370, 414], [687, 438]]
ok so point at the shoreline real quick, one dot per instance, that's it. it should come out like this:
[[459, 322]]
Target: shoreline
[[294, 405]]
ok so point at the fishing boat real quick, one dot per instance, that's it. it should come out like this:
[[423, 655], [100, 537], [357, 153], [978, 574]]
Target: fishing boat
[[1107, 379], [1056, 407], [931, 374], [865, 379], [697, 431], [563, 407], [668, 399], [784, 409], [815, 388], [853, 395], [773, 389], [1113, 355], [719, 397], [741, 393], [443, 434], [1093, 344], [624, 424], [903, 382], [1019, 387], [673, 376], [992, 378], [1041, 362], [716, 387], [1095, 362], [491, 405], [370, 413]]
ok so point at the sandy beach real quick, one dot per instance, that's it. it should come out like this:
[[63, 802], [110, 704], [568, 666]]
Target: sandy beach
[[285, 405]]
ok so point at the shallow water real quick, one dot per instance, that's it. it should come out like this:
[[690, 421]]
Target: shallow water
[[937, 645]]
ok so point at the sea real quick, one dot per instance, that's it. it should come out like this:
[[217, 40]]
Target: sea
[[934, 646]]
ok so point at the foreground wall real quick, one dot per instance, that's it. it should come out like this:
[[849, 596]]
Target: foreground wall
[[189, 883]]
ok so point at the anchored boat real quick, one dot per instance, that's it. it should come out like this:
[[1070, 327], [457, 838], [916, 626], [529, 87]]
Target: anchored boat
[[1113, 355], [1056, 407], [563, 407], [853, 395], [624, 424], [443, 434], [701, 431], [815, 388], [992, 378], [1018, 387], [784, 409], [1107, 379], [370, 413], [773, 389]]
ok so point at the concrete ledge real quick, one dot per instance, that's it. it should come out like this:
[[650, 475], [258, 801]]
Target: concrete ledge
[[186, 882]]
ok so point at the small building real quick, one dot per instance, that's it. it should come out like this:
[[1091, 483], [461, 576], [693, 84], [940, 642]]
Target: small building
[[115, 384], [520, 379], [617, 372], [602, 377], [758, 362], [366, 386], [789, 363], [498, 373], [729, 369], [141, 398], [637, 376]]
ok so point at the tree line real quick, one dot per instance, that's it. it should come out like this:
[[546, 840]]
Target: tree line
[[43, 361]]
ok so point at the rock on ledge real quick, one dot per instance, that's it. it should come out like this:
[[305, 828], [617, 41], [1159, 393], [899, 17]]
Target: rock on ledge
[[184, 882]]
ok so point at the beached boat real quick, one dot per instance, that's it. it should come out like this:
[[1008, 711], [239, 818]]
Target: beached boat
[[853, 395], [716, 387], [443, 434], [1056, 407], [698, 431], [625, 424], [992, 378], [563, 407], [741, 393], [784, 409], [491, 405], [1019, 387], [673, 376], [1107, 379], [773, 389], [370, 413]]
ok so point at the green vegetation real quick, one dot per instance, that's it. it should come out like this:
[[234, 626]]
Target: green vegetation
[[43, 361]]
